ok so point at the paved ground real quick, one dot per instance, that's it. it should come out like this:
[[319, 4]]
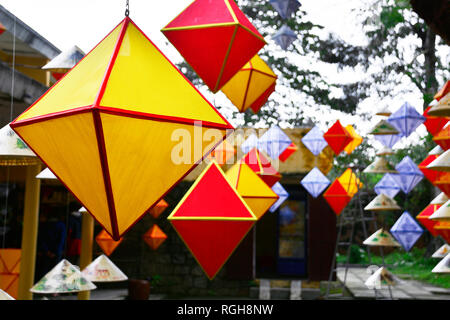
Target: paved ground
[[404, 290]]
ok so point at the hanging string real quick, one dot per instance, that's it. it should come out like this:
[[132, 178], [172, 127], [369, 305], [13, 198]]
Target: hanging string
[[127, 9], [10, 119]]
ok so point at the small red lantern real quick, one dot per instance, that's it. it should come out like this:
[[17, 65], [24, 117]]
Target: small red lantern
[[337, 197], [337, 137]]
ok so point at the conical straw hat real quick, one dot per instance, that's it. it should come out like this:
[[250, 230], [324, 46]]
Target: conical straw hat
[[103, 270], [5, 296], [383, 127], [380, 165], [441, 252], [385, 152], [441, 163], [384, 111], [46, 174], [442, 214], [436, 151], [443, 266], [65, 60], [442, 108], [382, 202], [380, 277], [440, 199], [381, 238], [13, 151], [63, 278]]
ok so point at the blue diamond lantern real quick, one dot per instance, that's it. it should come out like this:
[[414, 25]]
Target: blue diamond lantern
[[387, 185], [315, 182], [250, 143], [284, 37], [406, 230], [314, 141], [389, 140], [282, 193], [406, 119], [274, 141], [285, 7], [409, 175]]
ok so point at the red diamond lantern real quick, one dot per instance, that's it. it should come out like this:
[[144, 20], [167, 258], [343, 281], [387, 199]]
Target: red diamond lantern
[[434, 124], [443, 91], [154, 237], [106, 242], [443, 183], [431, 175], [212, 219], [337, 137], [443, 229], [442, 138], [337, 197], [428, 223], [262, 167], [215, 38], [287, 153], [156, 211]]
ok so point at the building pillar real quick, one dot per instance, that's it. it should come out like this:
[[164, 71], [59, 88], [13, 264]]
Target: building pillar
[[87, 236]]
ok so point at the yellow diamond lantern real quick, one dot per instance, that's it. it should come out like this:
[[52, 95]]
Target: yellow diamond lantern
[[350, 182], [110, 129], [357, 139]]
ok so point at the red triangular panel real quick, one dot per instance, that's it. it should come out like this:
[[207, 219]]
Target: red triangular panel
[[287, 153], [431, 175], [337, 197], [434, 124], [257, 105], [242, 18], [337, 137], [428, 223], [257, 162]]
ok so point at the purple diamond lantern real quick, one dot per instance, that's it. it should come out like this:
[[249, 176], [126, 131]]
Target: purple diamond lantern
[[388, 140], [285, 7], [315, 182], [250, 143], [387, 185], [314, 141], [282, 193], [406, 230], [274, 141], [284, 37], [409, 175], [406, 119]]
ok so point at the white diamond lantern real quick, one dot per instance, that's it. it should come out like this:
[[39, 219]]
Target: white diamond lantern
[[282, 194], [250, 143], [315, 182], [274, 141], [314, 141]]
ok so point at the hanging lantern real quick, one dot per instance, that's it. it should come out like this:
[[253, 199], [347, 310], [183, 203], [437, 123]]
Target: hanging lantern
[[154, 237], [409, 175], [434, 124], [314, 141], [10, 271], [442, 214], [388, 140], [436, 151], [103, 270], [106, 243], [443, 91], [255, 192], [356, 139], [64, 61], [284, 37], [3, 294], [350, 182], [63, 278], [437, 164], [406, 230], [337, 197], [282, 194], [262, 167], [443, 182], [157, 210], [383, 128], [337, 137], [385, 151], [443, 266], [2, 29], [387, 185], [381, 238], [212, 224], [315, 182], [382, 203], [383, 111], [249, 84], [406, 119], [13, 151], [442, 138], [288, 152], [380, 277], [424, 215], [380, 165], [250, 143], [442, 108], [285, 8], [215, 38], [274, 142], [441, 252], [261, 101], [430, 173], [443, 229], [109, 108], [222, 153]]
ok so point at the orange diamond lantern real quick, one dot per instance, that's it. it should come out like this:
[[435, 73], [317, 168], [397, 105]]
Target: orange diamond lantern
[[106, 243], [156, 211], [154, 237], [9, 271], [249, 84], [287, 153], [423, 218], [106, 129], [337, 137], [356, 139], [442, 138], [261, 101], [212, 223], [350, 182], [443, 229], [215, 38], [432, 123], [431, 175], [337, 197], [262, 167], [222, 153]]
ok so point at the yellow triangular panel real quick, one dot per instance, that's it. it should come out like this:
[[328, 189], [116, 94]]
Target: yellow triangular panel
[[260, 65], [69, 146], [138, 180], [235, 88], [258, 84], [80, 86], [259, 206], [140, 70], [350, 182]]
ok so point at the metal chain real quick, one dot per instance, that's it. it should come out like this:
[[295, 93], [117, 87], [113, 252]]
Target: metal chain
[[127, 9]]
